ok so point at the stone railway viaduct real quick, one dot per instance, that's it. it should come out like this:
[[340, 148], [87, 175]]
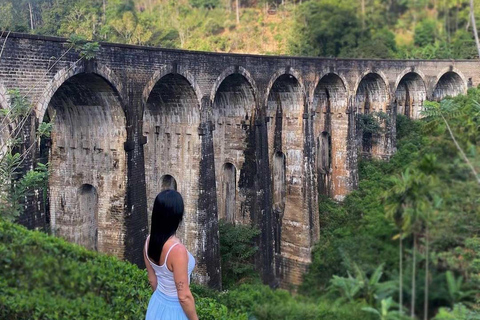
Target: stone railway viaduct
[[250, 139]]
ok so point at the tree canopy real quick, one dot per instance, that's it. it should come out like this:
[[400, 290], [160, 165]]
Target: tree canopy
[[348, 28]]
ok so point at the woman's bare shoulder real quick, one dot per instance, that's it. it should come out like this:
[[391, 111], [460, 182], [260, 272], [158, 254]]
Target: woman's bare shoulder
[[179, 248]]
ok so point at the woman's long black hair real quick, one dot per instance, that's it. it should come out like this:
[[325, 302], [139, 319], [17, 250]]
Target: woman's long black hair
[[167, 214]]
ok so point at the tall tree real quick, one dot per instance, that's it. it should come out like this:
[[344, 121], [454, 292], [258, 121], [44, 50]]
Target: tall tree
[[31, 15], [327, 28], [237, 8], [474, 27]]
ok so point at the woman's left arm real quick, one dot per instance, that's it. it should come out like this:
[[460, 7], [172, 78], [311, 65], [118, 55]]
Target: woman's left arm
[[178, 259], [152, 278]]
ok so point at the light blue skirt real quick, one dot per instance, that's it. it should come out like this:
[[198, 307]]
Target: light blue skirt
[[163, 307]]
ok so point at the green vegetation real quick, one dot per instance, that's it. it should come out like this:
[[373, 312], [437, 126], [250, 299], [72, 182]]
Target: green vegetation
[[43, 277], [418, 214], [237, 248], [15, 184], [348, 28]]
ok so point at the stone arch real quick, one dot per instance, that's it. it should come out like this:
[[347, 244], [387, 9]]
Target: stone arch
[[233, 111], [331, 78], [330, 90], [286, 94], [410, 70], [449, 83], [372, 89], [234, 98], [171, 119], [168, 182], [372, 95], [87, 147], [410, 94], [228, 192], [66, 73], [88, 209], [285, 109], [231, 71], [330, 104], [280, 73], [286, 135], [377, 74], [170, 69]]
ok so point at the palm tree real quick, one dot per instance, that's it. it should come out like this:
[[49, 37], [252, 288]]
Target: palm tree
[[474, 25], [400, 201], [431, 201], [408, 204], [394, 208]]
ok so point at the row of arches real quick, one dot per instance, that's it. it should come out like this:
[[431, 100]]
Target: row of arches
[[233, 111], [87, 146], [448, 83]]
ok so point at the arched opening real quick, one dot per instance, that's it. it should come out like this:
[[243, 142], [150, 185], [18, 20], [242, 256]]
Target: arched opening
[[330, 95], [169, 183], [170, 122], [279, 194], [371, 103], [285, 112], [449, 85], [233, 111], [88, 210], [372, 94], [410, 94], [285, 129], [228, 193], [87, 146], [331, 129]]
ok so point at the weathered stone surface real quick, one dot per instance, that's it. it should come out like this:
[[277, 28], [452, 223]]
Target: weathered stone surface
[[252, 139], [88, 176]]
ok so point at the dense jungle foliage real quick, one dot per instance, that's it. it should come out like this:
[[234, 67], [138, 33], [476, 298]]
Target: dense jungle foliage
[[424, 199], [406, 244], [332, 28]]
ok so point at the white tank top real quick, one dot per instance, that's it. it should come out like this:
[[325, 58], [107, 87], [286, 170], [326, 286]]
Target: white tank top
[[165, 281]]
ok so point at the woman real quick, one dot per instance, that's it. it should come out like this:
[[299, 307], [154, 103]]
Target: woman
[[168, 262]]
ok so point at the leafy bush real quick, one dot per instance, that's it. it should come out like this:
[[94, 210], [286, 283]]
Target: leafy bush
[[43, 277], [263, 303], [459, 312], [361, 286], [237, 248], [246, 297], [324, 310]]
